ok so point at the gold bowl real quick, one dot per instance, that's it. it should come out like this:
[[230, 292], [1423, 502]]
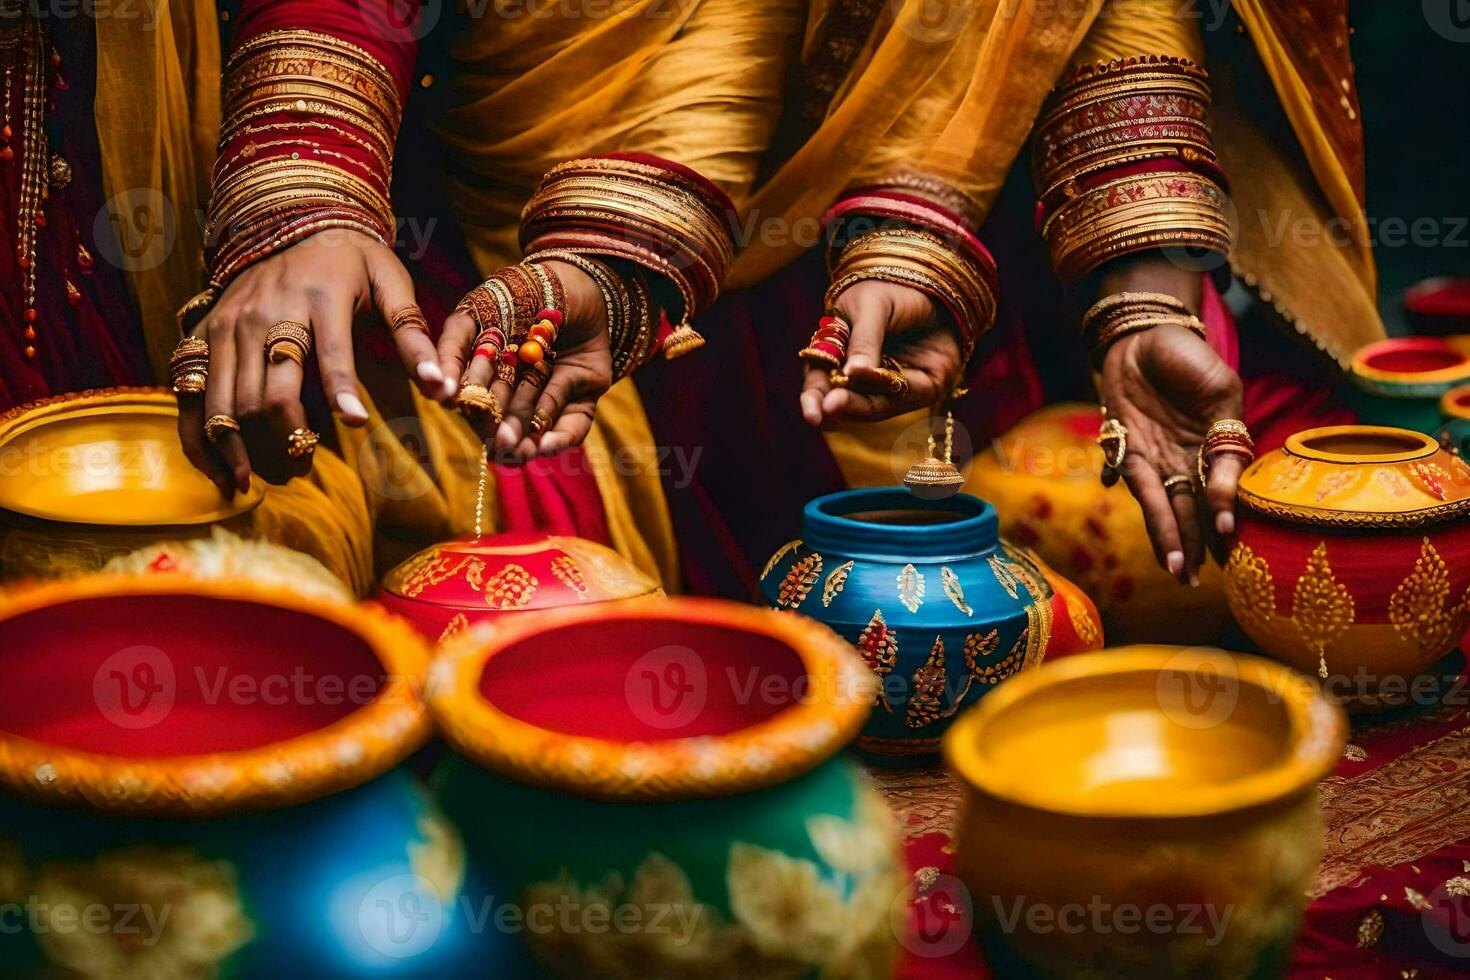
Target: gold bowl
[[1161, 798], [88, 476]]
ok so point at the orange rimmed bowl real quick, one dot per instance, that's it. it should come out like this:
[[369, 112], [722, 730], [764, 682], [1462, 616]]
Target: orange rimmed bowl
[[1164, 785], [1400, 381], [683, 749], [1352, 558], [233, 753]]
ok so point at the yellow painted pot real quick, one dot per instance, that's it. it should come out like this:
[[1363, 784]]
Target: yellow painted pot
[[1143, 812], [1352, 559], [93, 475], [1044, 479]]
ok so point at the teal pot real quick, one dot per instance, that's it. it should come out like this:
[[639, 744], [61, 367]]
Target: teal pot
[[1400, 381], [202, 779], [940, 608], [657, 788]]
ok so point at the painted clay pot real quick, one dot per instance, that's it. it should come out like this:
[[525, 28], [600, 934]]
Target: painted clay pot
[[212, 775], [1454, 434], [940, 608], [448, 586], [1439, 306], [1143, 812], [1400, 381], [1352, 557], [671, 757], [1043, 477], [90, 476]]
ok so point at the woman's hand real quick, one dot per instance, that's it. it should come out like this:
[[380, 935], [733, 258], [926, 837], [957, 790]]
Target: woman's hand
[[901, 322], [321, 282], [1167, 386], [537, 420]]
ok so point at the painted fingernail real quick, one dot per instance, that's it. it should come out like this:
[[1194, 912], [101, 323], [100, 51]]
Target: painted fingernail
[[450, 387], [1225, 522], [430, 372], [351, 406], [1193, 580], [1174, 560]]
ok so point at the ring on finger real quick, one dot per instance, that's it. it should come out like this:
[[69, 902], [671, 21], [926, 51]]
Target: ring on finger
[[301, 442], [287, 339], [1112, 439], [188, 367], [475, 400], [1179, 485], [409, 318], [536, 375], [539, 421], [216, 426]]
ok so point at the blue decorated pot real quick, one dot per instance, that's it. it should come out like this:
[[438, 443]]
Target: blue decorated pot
[[208, 779], [941, 609]]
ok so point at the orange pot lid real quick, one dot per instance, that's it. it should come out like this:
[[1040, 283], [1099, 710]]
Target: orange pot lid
[[517, 571], [1358, 475], [111, 457]]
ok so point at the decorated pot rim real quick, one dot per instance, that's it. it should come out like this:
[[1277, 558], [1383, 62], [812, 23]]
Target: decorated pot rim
[[1455, 403], [1455, 370], [17, 421], [787, 744], [828, 525], [1318, 730], [362, 745], [1423, 485]]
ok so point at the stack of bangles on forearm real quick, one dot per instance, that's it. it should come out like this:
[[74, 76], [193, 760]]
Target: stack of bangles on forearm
[[1118, 315], [309, 125], [906, 234], [1124, 162]]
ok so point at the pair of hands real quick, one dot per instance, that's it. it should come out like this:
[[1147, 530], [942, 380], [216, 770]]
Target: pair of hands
[[326, 282]]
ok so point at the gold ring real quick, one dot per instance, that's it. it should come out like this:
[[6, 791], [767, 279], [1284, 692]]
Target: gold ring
[[539, 421], [188, 367], [410, 317], [217, 425], [474, 400], [1180, 484], [1112, 439], [287, 339], [301, 442], [537, 374]]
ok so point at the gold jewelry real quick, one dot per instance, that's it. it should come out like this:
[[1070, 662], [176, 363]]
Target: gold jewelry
[[188, 367], [409, 318], [1224, 438], [1180, 484], [301, 442], [1112, 439], [475, 400], [216, 426], [505, 369], [287, 339], [539, 421]]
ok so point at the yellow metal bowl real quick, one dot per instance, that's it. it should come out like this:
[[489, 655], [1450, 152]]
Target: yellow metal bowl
[[109, 458]]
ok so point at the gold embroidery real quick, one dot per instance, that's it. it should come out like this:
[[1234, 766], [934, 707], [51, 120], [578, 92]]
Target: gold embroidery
[[1354, 753], [1416, 900], [1370, 930], [952, 589], [1421, 609], [928, 688], [1322, 607], [564, 567], [1457, 887], [781, 552], [910, 588], [1005, 575], [797, 584], [455, 625], [879, 646], [510, 588], [1039, 612], [1248, 586], [835, 582]]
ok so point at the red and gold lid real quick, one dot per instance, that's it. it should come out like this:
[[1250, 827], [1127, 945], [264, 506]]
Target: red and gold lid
[[1358, 476], [518, 571]]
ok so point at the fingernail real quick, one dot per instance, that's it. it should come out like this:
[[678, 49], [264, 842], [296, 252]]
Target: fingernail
[[430, 372], [1174, 560], [1225, 522], [505, 437], [450, 387], [351, 406], [1193, 580]]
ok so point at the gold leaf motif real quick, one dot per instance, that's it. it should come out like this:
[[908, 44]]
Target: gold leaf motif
[[1421, 609], [1084, 625], [781, 552], [474, 574], [455, 625], [1292, 475], [1457, 887], [1013, 661], [1005, 575], [1394, 482], [910, 588], [565, 568], [1322, 607], [1370, 930], [797, 584], [1354, 753], [1248, 586], [952, 589], [510, 588], [879, 646], [835, 582], [1337, 482], [928, 688], [978, 645], [429, 568], [1417, 900]]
